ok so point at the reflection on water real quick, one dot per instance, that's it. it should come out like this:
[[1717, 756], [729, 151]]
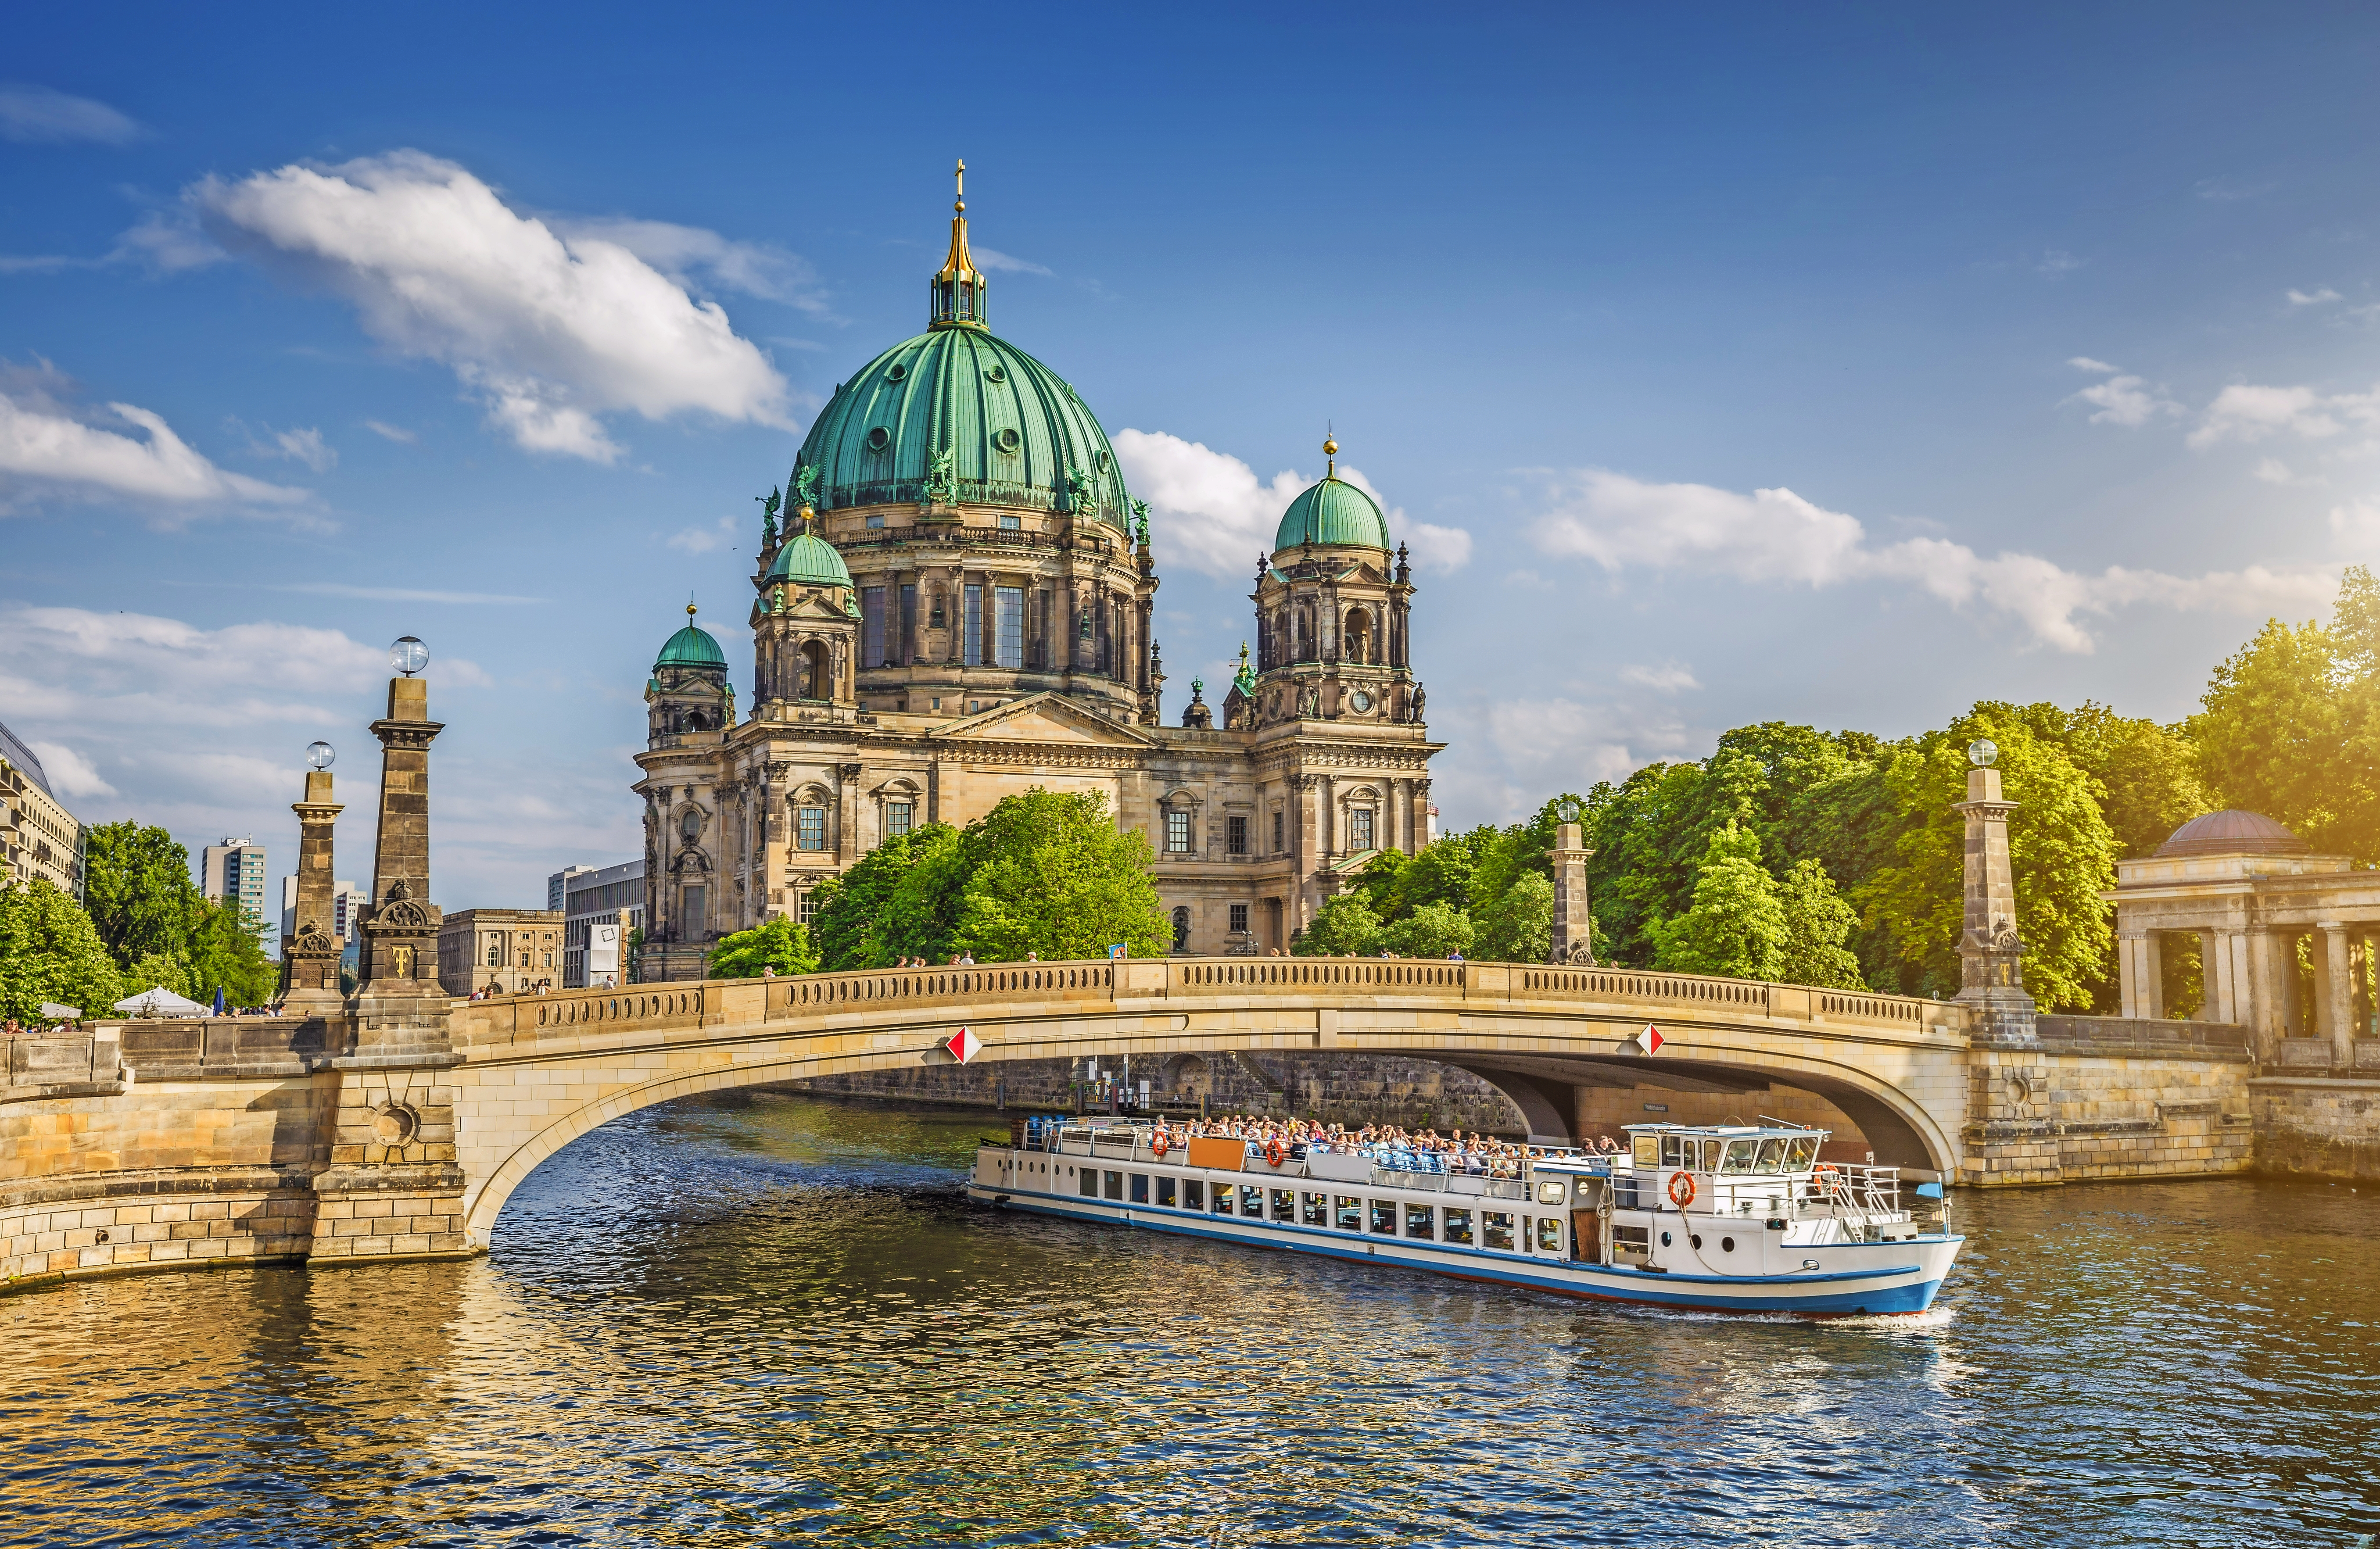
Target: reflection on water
[[779, 1322]]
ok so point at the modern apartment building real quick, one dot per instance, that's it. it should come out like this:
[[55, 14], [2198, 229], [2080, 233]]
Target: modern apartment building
[[38, 837], [600, 907], [234, 871]]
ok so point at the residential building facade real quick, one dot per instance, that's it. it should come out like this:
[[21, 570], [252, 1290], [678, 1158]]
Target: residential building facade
[[509, 951], [38, 836], [234, 871], [600, 906]]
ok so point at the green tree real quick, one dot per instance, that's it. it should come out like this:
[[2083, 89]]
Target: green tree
[[778, 942], [1736, 925], [51, 952], [848, 925], [1817, 922], [1433, 930], [2061, 850], [1519, 927], [137, 888], [1344, 926], [1050, 872], [225, 949]]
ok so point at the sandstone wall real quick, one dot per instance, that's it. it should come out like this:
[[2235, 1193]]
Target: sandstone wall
[[2324, 1128], [2083, 1109]]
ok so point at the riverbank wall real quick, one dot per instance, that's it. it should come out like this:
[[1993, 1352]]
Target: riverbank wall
[[2317, 1126]]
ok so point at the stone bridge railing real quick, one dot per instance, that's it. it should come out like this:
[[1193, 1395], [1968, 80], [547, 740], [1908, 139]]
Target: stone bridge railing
[[520, 1022]]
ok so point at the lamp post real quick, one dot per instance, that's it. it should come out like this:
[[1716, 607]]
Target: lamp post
[[1991, 954]]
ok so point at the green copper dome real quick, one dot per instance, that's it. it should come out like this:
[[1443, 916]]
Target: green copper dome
[[691, 648], [961, 416], [808, 560], [1332, 512]]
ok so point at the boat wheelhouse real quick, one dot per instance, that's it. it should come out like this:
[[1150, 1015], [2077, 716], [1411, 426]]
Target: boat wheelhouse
[[1730, 1218]]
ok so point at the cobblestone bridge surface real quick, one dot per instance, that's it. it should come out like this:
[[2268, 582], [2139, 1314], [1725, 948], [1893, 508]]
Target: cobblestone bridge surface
[[153, 1145]]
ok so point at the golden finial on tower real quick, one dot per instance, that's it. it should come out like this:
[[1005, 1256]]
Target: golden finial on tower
[[1330, 455], [958, 289], [961, 174], [689, 612]]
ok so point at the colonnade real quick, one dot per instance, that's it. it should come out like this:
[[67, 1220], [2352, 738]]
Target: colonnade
[[2255, 979]]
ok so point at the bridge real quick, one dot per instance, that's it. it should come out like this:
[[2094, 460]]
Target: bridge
[[154, 1145]]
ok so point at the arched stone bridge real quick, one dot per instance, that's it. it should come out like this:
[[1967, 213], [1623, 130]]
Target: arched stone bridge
[[145, 1145], [539, 1071]]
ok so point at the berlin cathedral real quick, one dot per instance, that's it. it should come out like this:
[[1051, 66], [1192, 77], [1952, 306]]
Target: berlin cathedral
[[956, 608]]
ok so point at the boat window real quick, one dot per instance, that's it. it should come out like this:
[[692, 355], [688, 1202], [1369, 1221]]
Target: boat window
[[1090, 1182], [1740, 1154], [1194, 1193], [1348, 1211], [1384, 1217], [1712, 1149], [1115, 1185], [1165, 1190], [1647, 1149], [1673, 1152], [1140, 1188], [1252, 1202], [1457, 1225], [1314, 1209], [1772, 1154], [1421, 1221], [1550, 1192], [1495, 1227], [1284, 1204], [1549, 1229], [1802, 1154], [1224, 1201]]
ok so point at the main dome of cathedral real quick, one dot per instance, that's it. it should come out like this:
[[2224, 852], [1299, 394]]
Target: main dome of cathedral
[[960, 416]]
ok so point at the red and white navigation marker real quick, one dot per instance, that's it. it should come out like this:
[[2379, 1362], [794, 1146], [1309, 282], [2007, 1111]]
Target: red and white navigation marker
[[1651, 1038], [964, 1045]]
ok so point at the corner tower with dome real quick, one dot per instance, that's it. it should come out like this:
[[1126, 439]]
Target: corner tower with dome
[[957, 607]]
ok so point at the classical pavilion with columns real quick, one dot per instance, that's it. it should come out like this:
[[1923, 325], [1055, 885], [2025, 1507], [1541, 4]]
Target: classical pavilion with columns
[[958, 609], [2284, 937]]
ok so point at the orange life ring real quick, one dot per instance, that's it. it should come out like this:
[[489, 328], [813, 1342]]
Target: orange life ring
[[1275, 1152], [1158, 1145], [1682, 1188]]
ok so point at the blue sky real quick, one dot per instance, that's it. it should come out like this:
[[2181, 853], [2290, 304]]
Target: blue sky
[[1839, 366]]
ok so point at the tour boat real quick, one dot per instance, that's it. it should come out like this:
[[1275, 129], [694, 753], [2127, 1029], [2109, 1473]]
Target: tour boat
[[1737, 1218]]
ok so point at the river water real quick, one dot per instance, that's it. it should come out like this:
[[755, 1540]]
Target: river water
[[776, 1321]]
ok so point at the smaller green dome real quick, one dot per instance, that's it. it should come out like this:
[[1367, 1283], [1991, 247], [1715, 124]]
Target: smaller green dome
[[808, 560], [1332, 512], [691, 646]]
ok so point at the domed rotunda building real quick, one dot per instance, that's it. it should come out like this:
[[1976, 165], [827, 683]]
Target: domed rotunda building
[[957, 609]]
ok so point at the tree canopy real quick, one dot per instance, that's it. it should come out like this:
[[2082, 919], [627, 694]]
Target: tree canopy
[[50, 952], [159, 929], [776, 943]]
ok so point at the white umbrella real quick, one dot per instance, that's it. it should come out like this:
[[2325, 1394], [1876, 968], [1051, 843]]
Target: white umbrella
[[160, 1001], [56, 1012]]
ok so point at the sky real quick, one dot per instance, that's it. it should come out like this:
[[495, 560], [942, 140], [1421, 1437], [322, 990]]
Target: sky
[[1841, 365]]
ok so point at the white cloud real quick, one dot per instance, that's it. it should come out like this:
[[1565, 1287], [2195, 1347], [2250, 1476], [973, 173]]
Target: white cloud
[[2272, 470], [71, 774], [396, 434], [2313, 299], [1774, 535], [39, 114], [2248, 412], [1668, 677], [688, 253], [305, 446], [2057, 261], [48, 449], [705, 540], [2084, 363], [2125, 400], [2357, 522], [552, 332], [995, 260], [1210, 512]]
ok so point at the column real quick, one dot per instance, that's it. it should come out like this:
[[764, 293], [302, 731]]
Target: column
[[1991, 965], [2338, 990], [310, 953], [1573, 940], [2270, 966], [400, 930], [2214, 975], [2128, 975], [2292, 986]]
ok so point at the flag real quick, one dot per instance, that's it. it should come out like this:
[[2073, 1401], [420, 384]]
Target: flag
[[1651, 1038], [964, 1045]]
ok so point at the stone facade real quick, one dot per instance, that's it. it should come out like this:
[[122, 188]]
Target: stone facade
[[2316, 1126], [510, 951]]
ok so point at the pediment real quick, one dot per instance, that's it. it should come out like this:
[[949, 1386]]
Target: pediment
[[1044, 718]]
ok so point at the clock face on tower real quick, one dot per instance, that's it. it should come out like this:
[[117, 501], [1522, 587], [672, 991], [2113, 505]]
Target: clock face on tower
[[1361, 700]]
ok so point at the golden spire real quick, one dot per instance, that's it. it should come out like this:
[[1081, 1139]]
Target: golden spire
[[958, 289], [1330, 456], [689, 612]]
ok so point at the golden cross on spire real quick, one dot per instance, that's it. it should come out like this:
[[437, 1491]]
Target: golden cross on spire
[[961, 175]]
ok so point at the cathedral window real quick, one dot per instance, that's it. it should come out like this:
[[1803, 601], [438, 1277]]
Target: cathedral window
[[1011, 524], [1177, 831], [973, 647], [1277, 845], [1239, 919], [806, 906], [1181, 930], [906, 646], [1008, 627], [1359, 830], [898, 818], [691, 916], [871, 627], [1235, 833], [809, 828]]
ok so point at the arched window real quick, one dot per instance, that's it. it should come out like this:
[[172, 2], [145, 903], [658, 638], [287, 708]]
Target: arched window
[[1359, 635], [818, 674], [1181, 929]]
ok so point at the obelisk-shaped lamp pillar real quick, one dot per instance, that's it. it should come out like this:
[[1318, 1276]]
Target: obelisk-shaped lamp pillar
[[1991, 955], [400, 928], [1574, 921], [310, 953]]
